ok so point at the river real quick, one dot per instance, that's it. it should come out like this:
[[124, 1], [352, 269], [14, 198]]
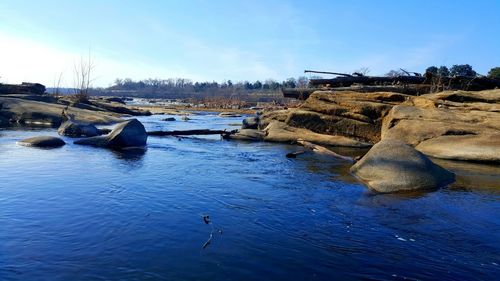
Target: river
[[83, 213]]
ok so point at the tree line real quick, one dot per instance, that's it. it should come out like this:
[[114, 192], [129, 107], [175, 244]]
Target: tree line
[[455, 70], [266, 90], [174, 88]]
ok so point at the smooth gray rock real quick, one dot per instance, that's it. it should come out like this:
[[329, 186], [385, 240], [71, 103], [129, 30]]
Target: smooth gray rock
[[43, 141], [130, 133], [78, 130], [392, 165]]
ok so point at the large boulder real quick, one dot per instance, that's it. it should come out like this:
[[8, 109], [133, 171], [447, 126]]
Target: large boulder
[[77, 130], [130, 133], [43, 141], [392, 166]]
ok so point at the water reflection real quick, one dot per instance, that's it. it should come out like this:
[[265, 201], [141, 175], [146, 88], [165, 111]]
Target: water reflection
[[478, 176], [132, 156]]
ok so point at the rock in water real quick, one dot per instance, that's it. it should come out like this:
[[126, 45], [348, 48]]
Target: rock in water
[[77, 130], [229, 114], [247, 134], [392, 165], [168, 119], [250, 123], [130, 133], [43, 141]]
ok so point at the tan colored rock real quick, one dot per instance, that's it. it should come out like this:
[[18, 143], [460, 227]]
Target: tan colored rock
[[462, 125], [392, 166], [280, 132], [344, 113], [483, 148]]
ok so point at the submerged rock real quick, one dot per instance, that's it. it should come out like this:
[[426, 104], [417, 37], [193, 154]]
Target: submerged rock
[[78, 130], [392, 166], [168, 119], [130, 133], [43, 141]]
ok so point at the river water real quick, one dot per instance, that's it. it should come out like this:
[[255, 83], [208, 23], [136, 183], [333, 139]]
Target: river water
[[82, 213]]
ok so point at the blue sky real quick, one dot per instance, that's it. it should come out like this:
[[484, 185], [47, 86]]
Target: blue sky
[[241, 40]]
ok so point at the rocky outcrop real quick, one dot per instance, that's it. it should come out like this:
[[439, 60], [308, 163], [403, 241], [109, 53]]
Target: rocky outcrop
[[130, 133], [78, 130], [43, 141], [350, 114], [392, 166], [280, 132], [28, 112], [478, 148], [457, 125], [450, 125]]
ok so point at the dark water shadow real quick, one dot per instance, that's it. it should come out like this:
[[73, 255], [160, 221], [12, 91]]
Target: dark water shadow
[[131, 155]]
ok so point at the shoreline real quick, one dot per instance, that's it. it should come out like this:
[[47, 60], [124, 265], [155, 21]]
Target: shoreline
[[158, 109]]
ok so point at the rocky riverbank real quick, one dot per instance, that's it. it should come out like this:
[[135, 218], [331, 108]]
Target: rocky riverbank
[[45, 110], [406, 130], [456, 125]]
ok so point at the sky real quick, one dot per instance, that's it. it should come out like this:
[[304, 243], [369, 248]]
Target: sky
[[217, 40]]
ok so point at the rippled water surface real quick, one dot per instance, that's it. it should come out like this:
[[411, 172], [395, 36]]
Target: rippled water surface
[[81, 213]]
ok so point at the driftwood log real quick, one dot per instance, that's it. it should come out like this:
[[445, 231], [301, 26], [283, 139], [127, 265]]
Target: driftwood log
[[323, 150], [188, 132]]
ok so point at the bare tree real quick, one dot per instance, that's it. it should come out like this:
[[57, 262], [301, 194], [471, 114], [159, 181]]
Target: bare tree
[[363, 71], [57, 85], [83, 77]]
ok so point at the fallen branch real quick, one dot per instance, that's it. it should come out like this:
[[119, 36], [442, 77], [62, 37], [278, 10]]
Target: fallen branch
[[187, 132], [294, 154], [322, 150]]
